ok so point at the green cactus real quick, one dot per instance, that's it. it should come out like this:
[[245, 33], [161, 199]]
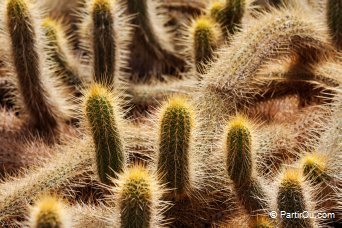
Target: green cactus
[[205, 36], [240, 165], [101, 114], [229, 14], [175, 136], [58, 55], [291, 199], [135, 190], [49, 212], [314, 168], [26, 58], [334, 16], [238, 148], [104, 44]]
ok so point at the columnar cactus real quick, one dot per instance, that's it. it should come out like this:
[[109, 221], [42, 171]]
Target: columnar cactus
[[102, 114], [205, 38], [240, 165], [58, 54], [104, 42], [22, 29], [175, 139], [137, 198], [49, 211], [291, 199], [334, 17], [239, 151]]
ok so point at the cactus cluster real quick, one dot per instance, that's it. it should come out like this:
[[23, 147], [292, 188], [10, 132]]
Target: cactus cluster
[[160, 113]]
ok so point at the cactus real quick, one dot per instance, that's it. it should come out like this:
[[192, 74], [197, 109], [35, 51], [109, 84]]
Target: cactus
[[314, 167], [45, 112], [27, 61], [240, 165], [49, 211], [66, 169], [175, 138], [291, 199], [102, 114], [239, 154], [104, 43], [229, 14], [205, 38], [150, 41], [334, 17], [137, 195], [62, 63]]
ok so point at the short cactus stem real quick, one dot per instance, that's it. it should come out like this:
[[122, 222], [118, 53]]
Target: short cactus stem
[[238, 147], [314, 167], [205, 36], [104, 45], [137, 198], [102, 116], [229, 14], [240, 167], [49, 212], [291, 199], [175, 138]]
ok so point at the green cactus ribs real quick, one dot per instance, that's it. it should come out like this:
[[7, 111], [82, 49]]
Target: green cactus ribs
[[176, 123], [103, 121]]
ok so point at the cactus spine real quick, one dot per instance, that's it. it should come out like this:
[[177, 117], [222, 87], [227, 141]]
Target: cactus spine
[[26, 58], [137, 196], [240, 165], [291, 199], [49, 212], [205, 36], [102, 116], [175, 138], [334, 16], [104, 43], [58, 55]]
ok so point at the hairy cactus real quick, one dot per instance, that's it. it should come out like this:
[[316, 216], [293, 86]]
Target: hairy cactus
[[104, 120], [104, 45], [62, 62], [240, 165], [138, 197], [291, 199], [49, 211], [205, 38], [315, 167], [239, 154], [44, 99], [57, 172], [228, 13], [175, 138], [22, 29], [334, 17], [261, 222]]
